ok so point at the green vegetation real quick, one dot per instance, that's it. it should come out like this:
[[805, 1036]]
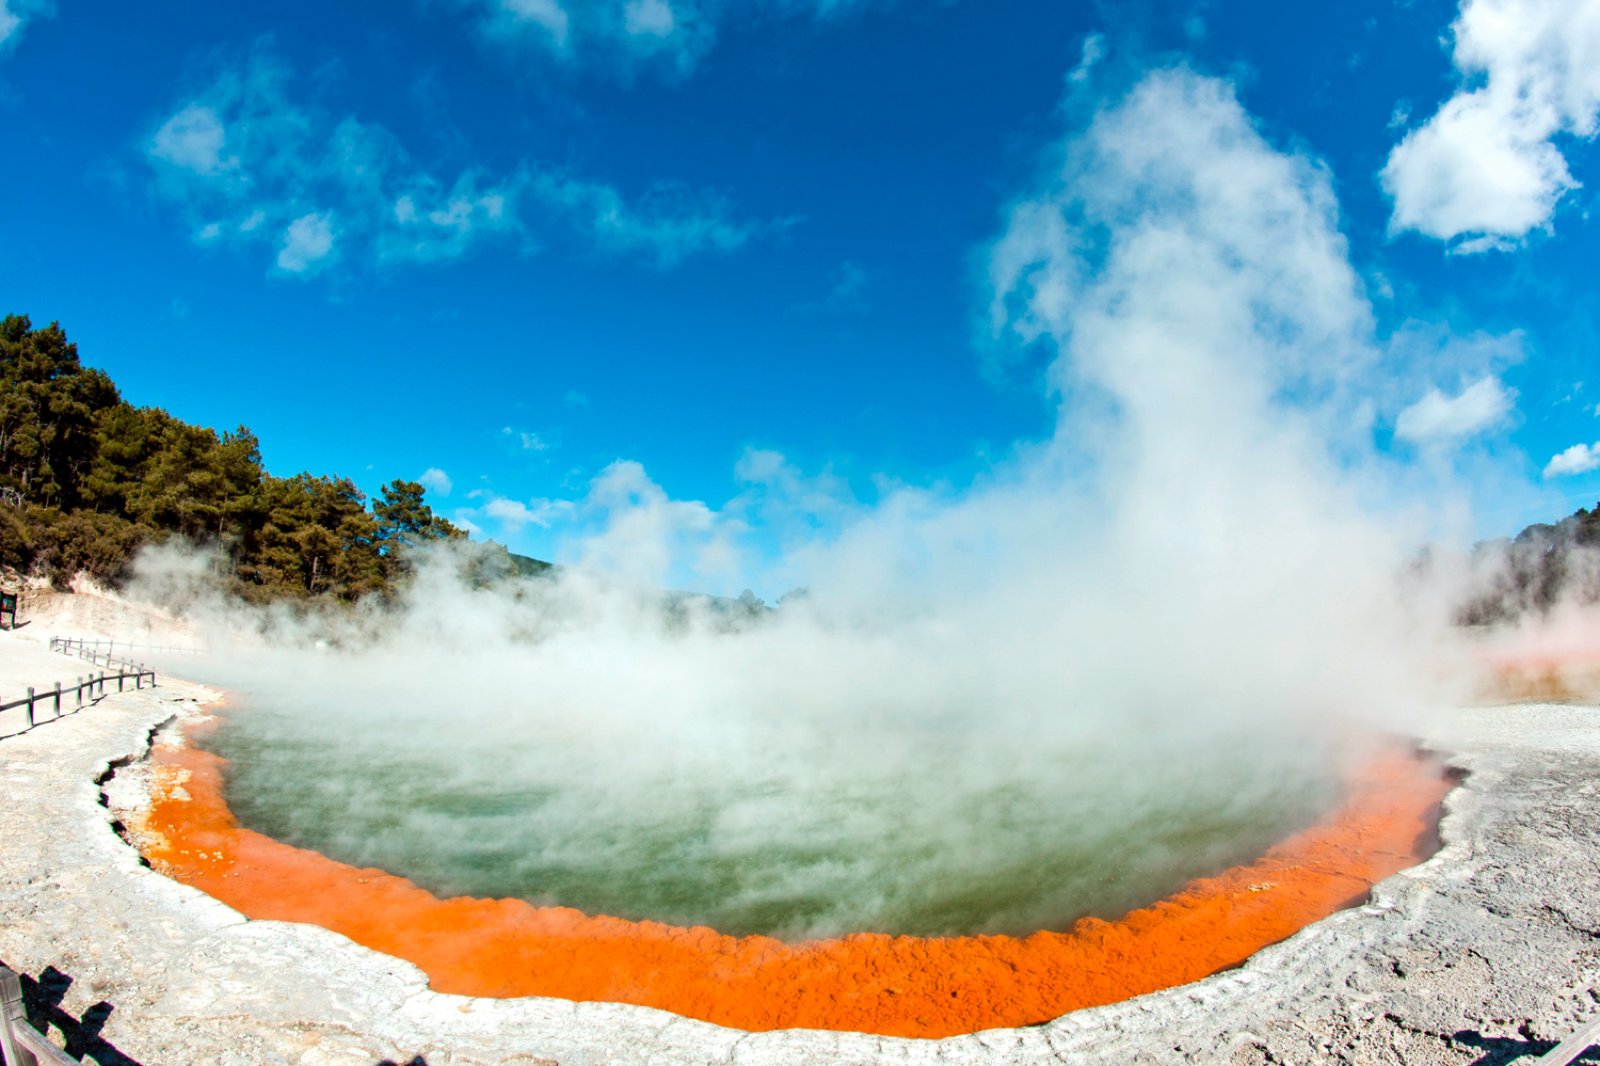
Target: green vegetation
[[86, 479]]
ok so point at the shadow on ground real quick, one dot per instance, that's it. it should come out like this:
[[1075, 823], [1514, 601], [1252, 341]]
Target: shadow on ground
[[1502, 1050], [41, 999]]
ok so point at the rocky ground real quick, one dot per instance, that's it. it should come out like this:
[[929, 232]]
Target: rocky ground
[[1488, 953]]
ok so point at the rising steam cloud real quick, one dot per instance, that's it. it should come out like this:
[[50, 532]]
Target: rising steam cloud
[[1196, 574]]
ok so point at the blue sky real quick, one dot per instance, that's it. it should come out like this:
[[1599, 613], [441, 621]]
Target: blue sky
[[708, 253]]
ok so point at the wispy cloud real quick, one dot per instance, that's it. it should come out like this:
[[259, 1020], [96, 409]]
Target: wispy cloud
[[1437, 418], [307, 244], [847, 292], [511, 517], [249, 164], [1485, 170], [436, 481], [1094, 50], [524, 440], [193, 140], [669, 223], [668, 36], [15, 14], [1578, 459], [514, 513]]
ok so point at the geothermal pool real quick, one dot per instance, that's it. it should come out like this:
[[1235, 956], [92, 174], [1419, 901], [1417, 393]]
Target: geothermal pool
[[936, 832], [980, 884]]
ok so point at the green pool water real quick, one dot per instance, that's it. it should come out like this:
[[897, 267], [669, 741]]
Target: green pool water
[[914, 829]]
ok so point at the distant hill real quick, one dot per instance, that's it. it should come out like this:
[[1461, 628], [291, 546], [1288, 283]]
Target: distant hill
[[527, 566], [86, 479]]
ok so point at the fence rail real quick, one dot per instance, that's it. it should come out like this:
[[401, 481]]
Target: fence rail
[[1572, 1047], [94, 684], [104, 652], [21, 1043]]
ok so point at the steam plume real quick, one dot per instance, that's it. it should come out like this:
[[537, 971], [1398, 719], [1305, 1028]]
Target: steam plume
[[1168, 613]]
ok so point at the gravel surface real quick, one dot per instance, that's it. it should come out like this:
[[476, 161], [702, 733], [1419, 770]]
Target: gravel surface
[[1488, 953]]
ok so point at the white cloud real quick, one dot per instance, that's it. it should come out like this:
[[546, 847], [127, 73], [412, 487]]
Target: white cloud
[[511, 512], [525, 440], [1484, 404], [545, 14], [307, 243], [248, 164], [430, 225], [1485, 168], [15, 14], [652, 18], [192, 139], [622, 33], [668, 224], [1578, 459], [436, 481], [670, 36], [514, 515], [1094, 50]]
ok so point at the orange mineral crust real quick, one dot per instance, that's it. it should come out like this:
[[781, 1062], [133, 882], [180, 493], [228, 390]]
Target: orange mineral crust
[[1534, 677], [894, 985]]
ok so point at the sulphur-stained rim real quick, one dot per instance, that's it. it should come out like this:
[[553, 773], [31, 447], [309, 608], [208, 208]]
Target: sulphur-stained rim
[[895, 986]]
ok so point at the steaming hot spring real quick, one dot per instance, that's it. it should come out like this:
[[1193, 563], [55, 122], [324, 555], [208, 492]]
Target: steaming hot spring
[[779, 824]]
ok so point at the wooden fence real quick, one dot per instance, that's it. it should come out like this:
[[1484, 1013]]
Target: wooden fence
[[22, 1044], [104, 652], [92, 685]]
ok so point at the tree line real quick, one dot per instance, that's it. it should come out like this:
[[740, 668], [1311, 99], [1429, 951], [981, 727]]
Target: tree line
[[1545, 564], [86, 479]]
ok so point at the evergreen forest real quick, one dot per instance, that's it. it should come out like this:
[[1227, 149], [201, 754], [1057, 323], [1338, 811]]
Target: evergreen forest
[[86, 479]]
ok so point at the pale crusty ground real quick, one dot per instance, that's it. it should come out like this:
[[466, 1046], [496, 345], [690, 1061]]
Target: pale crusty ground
[[1485, 954], [93, 613]]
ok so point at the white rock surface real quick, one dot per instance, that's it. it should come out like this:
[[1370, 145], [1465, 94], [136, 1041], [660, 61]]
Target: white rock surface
[[1487, 952]]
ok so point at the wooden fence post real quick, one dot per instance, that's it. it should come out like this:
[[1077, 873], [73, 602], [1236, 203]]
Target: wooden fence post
[[30, 706], [11, 1013]]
